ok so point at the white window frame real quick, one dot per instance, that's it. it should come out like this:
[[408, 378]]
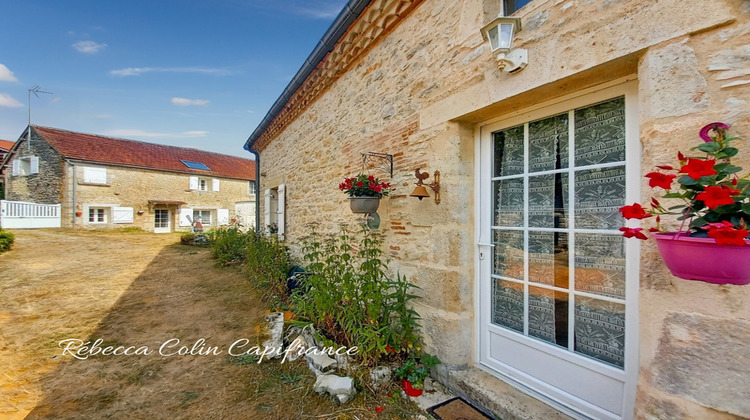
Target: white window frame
[[95, 212], [200, 215], [25, 166], [252, 188], [202, 184]]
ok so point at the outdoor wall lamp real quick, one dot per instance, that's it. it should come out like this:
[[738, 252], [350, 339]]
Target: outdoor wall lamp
[[421, 192], [500, 33]]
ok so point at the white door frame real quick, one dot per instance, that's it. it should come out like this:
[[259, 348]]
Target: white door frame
[[167, 229], [628, 87]]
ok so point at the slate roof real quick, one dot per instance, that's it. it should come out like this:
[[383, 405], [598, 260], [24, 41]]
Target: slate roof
[[5, 145], [114, 151]]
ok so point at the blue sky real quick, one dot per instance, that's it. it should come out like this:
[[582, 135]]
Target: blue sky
[[193, 73]]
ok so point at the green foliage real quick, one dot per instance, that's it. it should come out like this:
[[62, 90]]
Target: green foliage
[[266, 259], [187, 238], [349, 296], [227, 244], [416, 371], [267, 262], [6, 240]]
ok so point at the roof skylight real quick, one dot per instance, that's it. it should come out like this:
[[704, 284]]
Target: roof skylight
[[195, 165]]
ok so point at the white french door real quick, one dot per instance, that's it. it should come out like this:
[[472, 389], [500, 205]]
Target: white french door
[[558, 282], [162, 221]]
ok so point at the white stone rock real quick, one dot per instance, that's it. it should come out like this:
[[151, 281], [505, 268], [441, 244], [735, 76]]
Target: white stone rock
[[296, 348], [340, 387], [275, 327], [321, 361]]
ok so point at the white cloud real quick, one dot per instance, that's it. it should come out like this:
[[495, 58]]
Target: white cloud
[[8, 101], [55, 100], [88, 47], [137, 71], [6, 75], [103, 116], [134, 132], [190, 102]]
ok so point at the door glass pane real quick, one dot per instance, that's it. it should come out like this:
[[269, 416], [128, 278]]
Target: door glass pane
[[548, 200], [548, 144], [509, 202], [600, 330], [600, 264], [600, 133], [507, 304], [599, 193], [548, 315], [161, 218], [508, 253], [548, 258], [508, 152]]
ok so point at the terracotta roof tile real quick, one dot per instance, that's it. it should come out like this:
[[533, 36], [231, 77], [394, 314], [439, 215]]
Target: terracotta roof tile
[[6, 145], [100, 149]]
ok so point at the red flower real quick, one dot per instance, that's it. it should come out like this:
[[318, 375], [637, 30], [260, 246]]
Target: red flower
[[718, 127], [696, 168], [379, 409], [665, 167], [714, 197], [725, 233], [633, 233], [680, 156], [658, 179], [360, 184], [371, 178], [634, 212], [389, 349]]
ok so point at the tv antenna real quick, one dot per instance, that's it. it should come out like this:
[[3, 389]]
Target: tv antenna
[[36, 90]]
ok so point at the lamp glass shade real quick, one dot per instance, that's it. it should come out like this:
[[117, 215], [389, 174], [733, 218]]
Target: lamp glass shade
[[500, 33]]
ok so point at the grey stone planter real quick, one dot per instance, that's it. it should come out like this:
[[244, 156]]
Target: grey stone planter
[[364, 204]]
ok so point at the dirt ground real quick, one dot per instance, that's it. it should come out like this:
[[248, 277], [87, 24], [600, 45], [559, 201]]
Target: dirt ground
[[141, 290]]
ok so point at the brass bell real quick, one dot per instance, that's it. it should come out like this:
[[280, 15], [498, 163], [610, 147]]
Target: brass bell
[[420, 192]]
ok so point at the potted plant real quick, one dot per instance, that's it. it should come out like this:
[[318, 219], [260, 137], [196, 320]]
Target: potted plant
[[714, 203], [365, 192], [413, 373]]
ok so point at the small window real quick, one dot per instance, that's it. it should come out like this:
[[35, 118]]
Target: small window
[[97, 215], [253, 188], [203, 216], [202, 185], [510, 6], [195, 165], [25, 166]]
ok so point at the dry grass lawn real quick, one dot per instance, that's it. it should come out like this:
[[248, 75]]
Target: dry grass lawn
[[140, 289]]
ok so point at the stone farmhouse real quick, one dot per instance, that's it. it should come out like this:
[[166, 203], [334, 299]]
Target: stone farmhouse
[[533, 300], [108, 182]]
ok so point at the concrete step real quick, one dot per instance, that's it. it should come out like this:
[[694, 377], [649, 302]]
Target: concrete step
[[499, 398]]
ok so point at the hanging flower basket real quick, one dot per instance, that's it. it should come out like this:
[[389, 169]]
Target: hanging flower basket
[[364, 204], [365, 192], [713, 203], [703, 259]]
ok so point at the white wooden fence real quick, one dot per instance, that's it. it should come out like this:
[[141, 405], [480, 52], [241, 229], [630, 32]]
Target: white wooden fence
[[22, 215]]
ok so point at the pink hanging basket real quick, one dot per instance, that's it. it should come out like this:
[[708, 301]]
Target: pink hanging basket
[[703, 259]]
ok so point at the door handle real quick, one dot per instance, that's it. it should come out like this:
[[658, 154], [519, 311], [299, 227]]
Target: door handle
[[481, 251]]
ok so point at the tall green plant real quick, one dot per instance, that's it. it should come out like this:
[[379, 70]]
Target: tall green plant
[[6, 240], [267, 261], [351, 298]]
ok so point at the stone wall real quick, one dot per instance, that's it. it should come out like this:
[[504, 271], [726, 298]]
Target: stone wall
[[133, 187], [43, 187], [419, 93]]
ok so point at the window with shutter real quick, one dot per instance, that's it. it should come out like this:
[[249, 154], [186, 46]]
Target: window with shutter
[[34, 165], [281, 210], [16, 167], [215, 182], [194, 183], [186, 217], [122, 215]]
